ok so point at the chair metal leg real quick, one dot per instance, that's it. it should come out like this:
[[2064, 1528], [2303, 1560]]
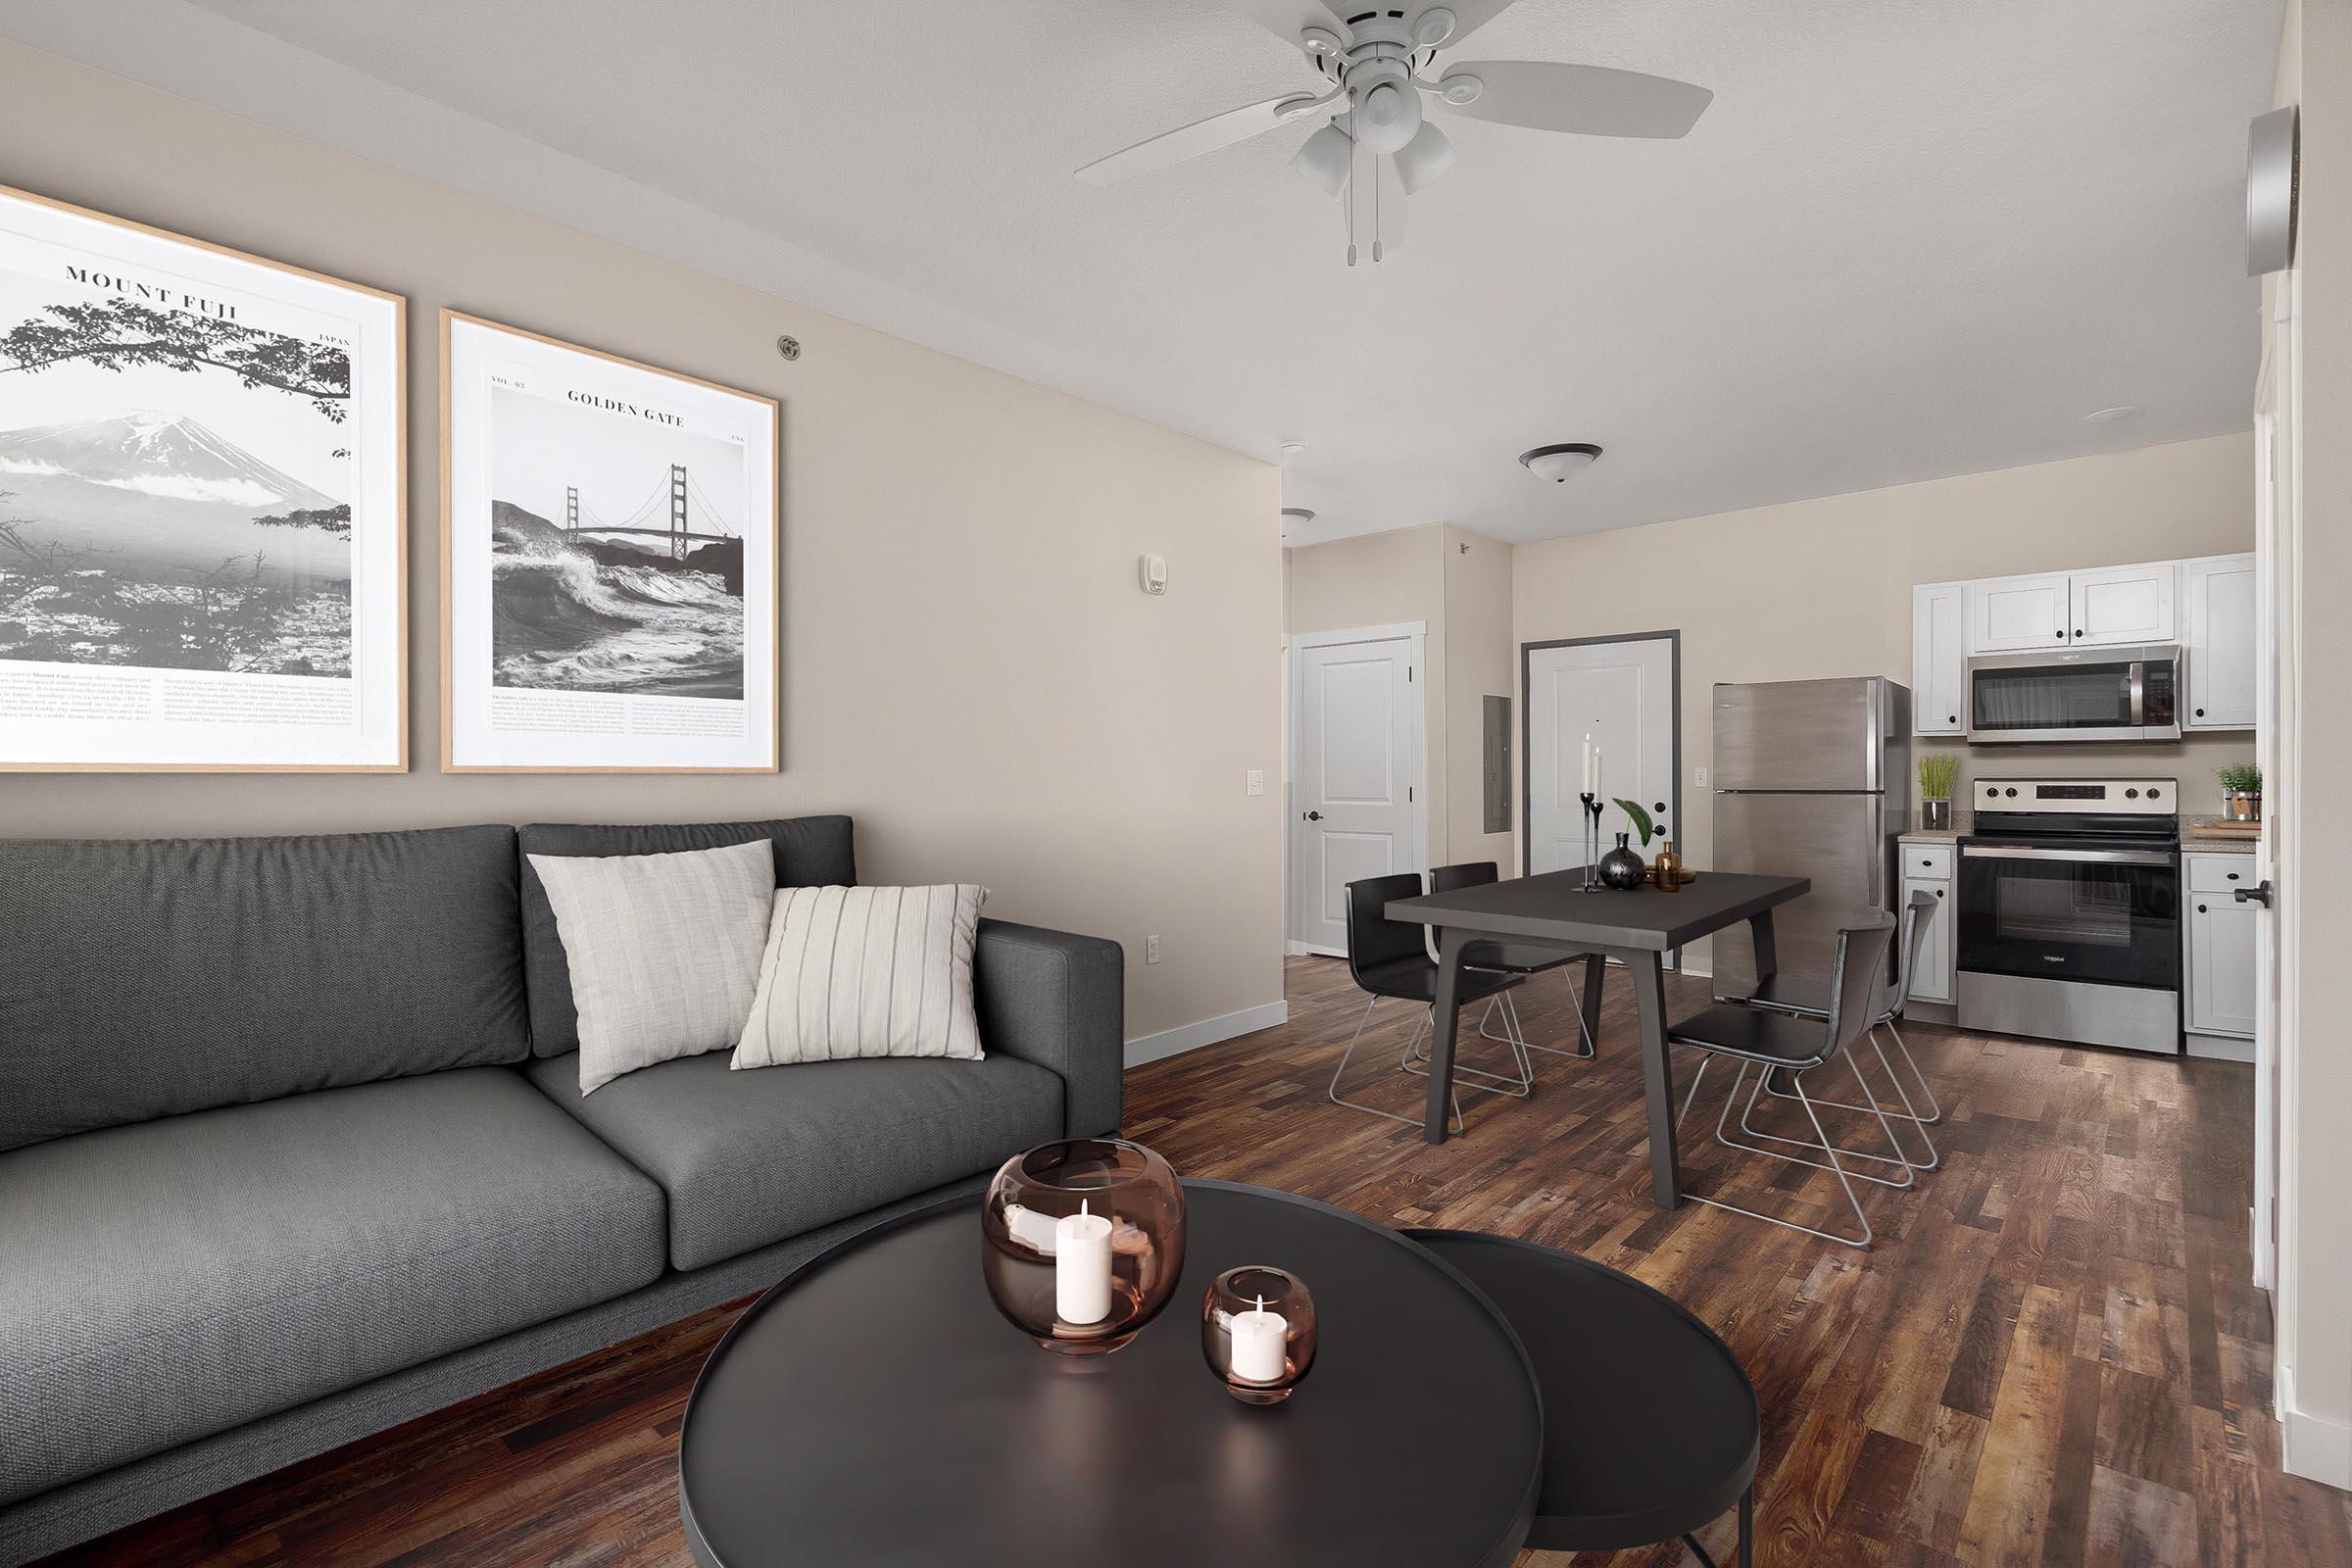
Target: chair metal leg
[[1353, 1105], [1514, 1033], [1853, 1060], [1416, 1062], [1927, 1092], [1835, 1167], [1577, 1005]]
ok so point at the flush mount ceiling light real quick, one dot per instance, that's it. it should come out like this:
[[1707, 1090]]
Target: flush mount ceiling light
[[1295, 514], [1560, 462], [2114, 416], [1379, 79], [1294, 449]]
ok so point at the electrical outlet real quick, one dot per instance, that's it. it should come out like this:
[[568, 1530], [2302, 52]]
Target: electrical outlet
[[1257, 781], [1150, 949]]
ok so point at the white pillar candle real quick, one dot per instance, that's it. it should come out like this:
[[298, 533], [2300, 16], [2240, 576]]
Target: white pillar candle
[[1258, 1340], [1592, 774], [1082, 1267]]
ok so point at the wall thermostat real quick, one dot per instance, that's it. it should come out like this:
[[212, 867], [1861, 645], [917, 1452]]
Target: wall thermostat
[[1153, 570]]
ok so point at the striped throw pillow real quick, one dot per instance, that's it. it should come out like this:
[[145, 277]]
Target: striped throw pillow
[[866, 972], [664, 950]]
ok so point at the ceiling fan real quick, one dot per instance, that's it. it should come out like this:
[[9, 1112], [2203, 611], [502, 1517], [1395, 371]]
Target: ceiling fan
[[1376, 66]]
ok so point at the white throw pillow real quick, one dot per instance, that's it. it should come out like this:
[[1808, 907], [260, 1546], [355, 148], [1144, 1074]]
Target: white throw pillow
[[663, 949], [866, 972]]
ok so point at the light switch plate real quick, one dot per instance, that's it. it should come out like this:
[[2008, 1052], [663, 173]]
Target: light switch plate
[[1257, 781], [1150, 949], [1698, 777]]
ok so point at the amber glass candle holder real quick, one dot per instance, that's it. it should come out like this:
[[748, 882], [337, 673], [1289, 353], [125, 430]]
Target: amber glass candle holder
[[1082, 1242], [1258, 1330]]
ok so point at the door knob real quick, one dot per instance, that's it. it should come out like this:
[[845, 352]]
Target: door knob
[[1315, 817], [2260, 894]]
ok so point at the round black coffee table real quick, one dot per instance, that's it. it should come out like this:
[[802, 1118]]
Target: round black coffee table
[[875, 1408], [1653, 1430]]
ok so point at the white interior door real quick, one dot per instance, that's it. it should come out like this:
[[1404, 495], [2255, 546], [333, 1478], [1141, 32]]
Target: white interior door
[[1356, 807], [1622, 695], [2275, 679]]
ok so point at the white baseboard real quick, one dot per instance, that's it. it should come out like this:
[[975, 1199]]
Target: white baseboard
[[2316, 1448], [1205, 1032], [2221, 1048]]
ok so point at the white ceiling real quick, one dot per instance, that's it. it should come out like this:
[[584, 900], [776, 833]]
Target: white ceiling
[[1909, 239]]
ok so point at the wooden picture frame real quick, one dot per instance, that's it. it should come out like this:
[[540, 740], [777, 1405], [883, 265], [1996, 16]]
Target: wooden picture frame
[[581, 634], [203, 504]]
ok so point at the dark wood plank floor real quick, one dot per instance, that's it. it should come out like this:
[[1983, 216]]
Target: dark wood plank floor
[[2053, 1355]]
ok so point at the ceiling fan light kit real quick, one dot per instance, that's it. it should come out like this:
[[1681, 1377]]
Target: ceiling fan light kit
[[1380, 94], [1560, 462]]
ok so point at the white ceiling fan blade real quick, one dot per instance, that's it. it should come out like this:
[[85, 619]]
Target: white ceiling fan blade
[[1287, 18], [1201, 136], [1585, 100]]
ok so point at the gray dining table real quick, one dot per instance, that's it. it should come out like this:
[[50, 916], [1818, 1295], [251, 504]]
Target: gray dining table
[[1638, 927]]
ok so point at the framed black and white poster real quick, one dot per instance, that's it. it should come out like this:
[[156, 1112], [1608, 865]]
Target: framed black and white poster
[[608, 563], [203, 492]]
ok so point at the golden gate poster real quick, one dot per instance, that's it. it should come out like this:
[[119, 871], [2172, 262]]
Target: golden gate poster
[[610, 538], [201, 494]]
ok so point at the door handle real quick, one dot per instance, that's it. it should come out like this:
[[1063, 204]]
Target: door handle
[[1315, 817], [2260, 894]]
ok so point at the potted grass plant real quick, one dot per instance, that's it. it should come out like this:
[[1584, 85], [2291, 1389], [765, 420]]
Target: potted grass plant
[[1936, 777], [2242, 793]]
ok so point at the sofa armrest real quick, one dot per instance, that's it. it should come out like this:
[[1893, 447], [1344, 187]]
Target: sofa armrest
[[1060, 1001]]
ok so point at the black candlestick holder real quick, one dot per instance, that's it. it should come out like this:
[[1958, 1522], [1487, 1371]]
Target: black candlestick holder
[[1591, 882]]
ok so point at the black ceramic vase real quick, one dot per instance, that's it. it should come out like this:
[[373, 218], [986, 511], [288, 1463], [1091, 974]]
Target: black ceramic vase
[[1621, 868]]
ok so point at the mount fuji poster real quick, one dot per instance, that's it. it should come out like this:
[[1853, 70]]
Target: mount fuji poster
[[201, 504], [610, 561]]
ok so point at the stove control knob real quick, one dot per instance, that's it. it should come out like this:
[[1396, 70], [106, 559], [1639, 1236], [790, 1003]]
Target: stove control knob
[[2010, 791], [2152, 794], [1990, 792], [2133, 795]]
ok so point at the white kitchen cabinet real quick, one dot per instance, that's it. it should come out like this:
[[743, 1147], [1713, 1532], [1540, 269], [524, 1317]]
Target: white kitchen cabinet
[[2122, 605], [1939, 659], [2219, 933], [1933, 981], [2018, 614], [2219, 640]]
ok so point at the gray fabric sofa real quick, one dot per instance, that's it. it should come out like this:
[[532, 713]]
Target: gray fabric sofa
[[292, 1147]]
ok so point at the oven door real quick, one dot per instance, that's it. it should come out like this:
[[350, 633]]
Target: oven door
[[2103, 917], [2129, 697]]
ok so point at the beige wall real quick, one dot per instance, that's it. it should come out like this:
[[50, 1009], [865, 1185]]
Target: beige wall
[[2314, 842], [1480, 662], [969, 664], [1822, 588]]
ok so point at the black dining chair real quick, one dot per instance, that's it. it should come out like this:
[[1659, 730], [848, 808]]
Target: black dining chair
[[1390, 958], [1805, 996], [1768, 1042], [1512, 957]]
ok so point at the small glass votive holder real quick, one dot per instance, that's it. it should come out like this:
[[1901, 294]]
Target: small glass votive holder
[[1257, 1332]]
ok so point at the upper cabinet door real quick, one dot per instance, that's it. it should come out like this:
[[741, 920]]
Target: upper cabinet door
[[1939, 659], [2122, 605], [2220, 639], [2016, 614]]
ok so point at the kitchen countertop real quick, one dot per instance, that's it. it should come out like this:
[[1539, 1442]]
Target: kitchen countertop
[[2202, 843], [2191, 839]]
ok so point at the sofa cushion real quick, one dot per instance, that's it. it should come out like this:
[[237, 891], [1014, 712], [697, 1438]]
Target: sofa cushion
[[811, 851], [146, 977], [184, 1276], [752, 1157]]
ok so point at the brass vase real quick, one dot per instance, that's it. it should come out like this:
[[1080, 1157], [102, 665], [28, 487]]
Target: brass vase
[[1667, 869]]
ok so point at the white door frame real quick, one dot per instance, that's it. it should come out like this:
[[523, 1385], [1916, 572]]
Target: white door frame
[[1417, 632], [2275, 984]]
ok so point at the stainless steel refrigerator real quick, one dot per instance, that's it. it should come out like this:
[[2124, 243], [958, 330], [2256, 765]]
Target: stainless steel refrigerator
[[1812, 779]]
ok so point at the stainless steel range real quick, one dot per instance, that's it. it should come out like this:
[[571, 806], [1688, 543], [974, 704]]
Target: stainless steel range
[[2070, 911]]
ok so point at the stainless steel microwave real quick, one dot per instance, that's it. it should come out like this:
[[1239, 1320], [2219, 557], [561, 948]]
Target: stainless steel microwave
[[2079, 694]]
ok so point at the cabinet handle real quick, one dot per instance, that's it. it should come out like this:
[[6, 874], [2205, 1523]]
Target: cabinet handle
[[2200, 712], [2077, 631], [2233, 875], [2060, 634], [1956, 718], [2200, 908], [1939, 893]]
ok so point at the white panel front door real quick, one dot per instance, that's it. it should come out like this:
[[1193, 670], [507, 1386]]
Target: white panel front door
[[1356, 794], [1622, 695]]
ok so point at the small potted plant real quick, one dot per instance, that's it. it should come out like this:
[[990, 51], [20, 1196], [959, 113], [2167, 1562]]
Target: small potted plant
[[1935, 775], [2242, 793]]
